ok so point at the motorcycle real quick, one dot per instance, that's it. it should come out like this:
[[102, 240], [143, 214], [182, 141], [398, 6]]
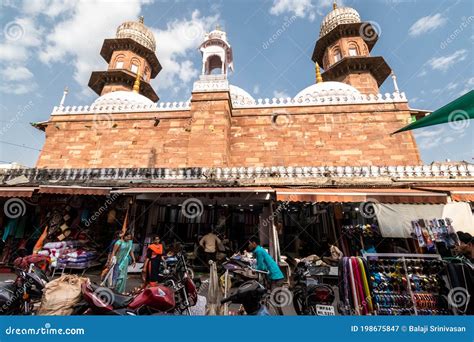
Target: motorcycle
[[18, 297], [250, 295], [308, 294], [174, 296]]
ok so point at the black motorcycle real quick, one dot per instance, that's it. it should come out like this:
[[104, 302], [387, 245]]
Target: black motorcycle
[[308, 294], [19, 296], [250, 295]]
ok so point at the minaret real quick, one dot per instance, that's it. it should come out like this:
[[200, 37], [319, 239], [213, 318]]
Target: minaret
[[216, 53], [343, 50], [131, 55]]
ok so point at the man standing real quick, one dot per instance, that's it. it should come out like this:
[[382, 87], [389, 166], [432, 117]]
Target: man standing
[[266, 263], [210, 242]]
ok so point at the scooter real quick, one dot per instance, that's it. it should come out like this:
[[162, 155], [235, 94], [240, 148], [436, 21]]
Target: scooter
[[168, 298], [249, 295], [19, 296]]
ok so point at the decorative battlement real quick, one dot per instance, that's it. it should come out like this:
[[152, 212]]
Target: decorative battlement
[[324, 100], [126, 108], [460, 171], [237, 102]]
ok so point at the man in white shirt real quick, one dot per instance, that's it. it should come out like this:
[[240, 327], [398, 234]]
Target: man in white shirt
[[210, 242]]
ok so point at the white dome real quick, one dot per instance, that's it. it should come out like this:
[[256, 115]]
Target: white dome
[[122, 97], [339, 15], [240, 96], [327, 89]]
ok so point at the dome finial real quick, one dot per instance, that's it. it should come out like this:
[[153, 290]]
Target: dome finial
[[218, 27], [136, 85], [141, 19], [334, 5], [319, 78]]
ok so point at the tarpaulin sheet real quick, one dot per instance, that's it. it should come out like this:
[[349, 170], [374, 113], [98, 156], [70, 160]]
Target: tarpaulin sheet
[[395, 219]]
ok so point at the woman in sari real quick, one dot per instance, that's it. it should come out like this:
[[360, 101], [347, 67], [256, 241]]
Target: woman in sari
[[122, 253]]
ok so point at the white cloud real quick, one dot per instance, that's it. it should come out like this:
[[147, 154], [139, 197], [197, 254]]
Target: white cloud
[[20, 73], [280, 93], [448, 140], [21, 37], [429, 132], [427, 24], [468, 86], [451, 86], [299, 8], [176, 45], [444, 62], [71, 41]]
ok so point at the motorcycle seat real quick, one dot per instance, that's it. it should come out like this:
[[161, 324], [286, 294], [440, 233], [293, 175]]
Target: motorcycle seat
[[121, 301]]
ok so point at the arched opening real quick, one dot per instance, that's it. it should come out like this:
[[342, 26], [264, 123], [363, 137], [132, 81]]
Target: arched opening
[[214, 65], [353, 49], [336, 54], [135, 65], [119, 62]]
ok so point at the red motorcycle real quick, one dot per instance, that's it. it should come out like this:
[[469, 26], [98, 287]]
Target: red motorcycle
[[172, 297]]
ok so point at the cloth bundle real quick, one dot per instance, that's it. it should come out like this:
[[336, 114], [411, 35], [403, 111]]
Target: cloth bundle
[[60, 295], [68, 254]]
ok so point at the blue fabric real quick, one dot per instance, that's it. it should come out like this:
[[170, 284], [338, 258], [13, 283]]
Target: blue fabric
[[9, 228], [266, 263]]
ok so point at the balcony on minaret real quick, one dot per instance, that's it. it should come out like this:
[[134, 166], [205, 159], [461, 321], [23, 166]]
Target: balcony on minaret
[[343, 49], [130, 53]]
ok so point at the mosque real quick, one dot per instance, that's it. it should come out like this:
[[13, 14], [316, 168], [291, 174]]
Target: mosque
[[294, 169]]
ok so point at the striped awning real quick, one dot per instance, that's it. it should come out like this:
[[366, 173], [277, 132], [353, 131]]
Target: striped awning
[[361, 195], [158, 190], [74, 190], [17, 191]]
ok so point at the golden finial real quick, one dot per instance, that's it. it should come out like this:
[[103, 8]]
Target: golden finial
[[334, 5], [141, 19], [319, 78], [136, 85], [218, 27]]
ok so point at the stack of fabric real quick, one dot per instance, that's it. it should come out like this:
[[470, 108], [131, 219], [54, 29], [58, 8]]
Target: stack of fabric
[[68, 254]]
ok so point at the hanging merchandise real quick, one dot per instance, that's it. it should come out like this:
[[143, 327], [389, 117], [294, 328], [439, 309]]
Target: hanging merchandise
[[430, 232], [365, 230], [355, 289]]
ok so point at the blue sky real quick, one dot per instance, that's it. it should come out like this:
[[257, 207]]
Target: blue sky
[[47, 45]]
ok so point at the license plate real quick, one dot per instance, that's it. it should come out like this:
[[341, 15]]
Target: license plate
[[325, 310]]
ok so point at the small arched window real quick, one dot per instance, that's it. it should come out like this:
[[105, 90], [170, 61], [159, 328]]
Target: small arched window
[[119, 62], [337, 55], [134, 66], [353, 49]]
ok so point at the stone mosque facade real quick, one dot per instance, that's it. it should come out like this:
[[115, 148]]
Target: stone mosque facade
[[340, 120]]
